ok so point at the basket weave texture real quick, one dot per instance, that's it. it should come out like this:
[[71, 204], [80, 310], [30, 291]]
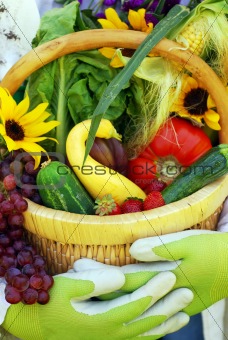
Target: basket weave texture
[[64, 237]]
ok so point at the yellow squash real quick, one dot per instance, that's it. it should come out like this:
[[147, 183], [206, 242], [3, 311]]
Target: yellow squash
[[98, 179]]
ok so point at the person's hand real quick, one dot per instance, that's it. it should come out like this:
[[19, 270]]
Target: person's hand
[[71, 314]]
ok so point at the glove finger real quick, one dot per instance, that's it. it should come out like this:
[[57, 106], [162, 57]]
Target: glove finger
[[173, 324], [131, 305], [103, 281], [88, 264], [161, 311], [145, 249]]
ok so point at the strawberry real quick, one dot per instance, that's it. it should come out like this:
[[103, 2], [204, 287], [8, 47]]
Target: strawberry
[[107, 206], [132, 204], [155, 185], [153, 200]]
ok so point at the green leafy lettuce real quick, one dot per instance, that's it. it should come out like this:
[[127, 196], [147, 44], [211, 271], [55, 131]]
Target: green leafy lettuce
[[74, 84]]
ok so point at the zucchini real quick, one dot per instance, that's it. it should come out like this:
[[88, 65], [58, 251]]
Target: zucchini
[[60, 189], [208, 168]]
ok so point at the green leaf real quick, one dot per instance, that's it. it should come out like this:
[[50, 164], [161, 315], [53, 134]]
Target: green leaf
[[175, 15]]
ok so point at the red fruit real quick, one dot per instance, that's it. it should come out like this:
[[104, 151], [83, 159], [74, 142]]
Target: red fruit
[[155, 185], [153, 200], [132, 204], [107, 206]]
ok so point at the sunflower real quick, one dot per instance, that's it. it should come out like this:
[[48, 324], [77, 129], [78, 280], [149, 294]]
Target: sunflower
[[137, 21], [22, 129], [195, 103]]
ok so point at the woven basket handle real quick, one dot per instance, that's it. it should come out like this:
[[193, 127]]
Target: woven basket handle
[[79, 41]]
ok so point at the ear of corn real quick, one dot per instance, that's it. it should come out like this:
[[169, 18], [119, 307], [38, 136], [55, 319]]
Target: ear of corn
[[192, 39]]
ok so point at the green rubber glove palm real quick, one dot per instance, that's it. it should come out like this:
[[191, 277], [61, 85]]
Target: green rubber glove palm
[[71, 314], [199, 259]]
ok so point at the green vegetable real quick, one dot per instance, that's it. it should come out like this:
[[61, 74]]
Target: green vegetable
[[74, 84], [60, 189], [206, 170]]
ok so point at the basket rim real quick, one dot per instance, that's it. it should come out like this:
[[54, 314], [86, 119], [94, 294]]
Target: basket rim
[[66, 227]]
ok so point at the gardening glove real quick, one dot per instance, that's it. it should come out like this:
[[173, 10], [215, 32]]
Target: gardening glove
[[71, 314], [198, 258]]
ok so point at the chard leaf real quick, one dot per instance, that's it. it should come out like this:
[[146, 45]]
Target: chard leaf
[[173, 18]]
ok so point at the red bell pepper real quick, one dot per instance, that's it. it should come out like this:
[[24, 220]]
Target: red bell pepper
[[177, 144]]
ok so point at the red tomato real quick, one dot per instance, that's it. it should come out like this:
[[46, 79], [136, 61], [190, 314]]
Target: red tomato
[[177, 144]]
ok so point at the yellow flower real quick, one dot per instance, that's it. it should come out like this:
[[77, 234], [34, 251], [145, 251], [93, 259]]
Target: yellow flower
[[138, 22], [21, 129], [112, 21], [195, 103]]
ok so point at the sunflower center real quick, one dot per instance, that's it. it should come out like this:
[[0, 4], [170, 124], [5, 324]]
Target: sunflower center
[[14, 130], [195, 101]]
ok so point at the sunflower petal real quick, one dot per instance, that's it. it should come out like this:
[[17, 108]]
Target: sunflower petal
[[114, 18], [213, 125], [2, 130], [22, 107], [35, 116], [212, 116], [135, 20], [40, 129], [7, 105], [107, 52], [210, 102], [10, 143]]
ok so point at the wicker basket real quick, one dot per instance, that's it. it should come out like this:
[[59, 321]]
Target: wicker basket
[[65, 237]]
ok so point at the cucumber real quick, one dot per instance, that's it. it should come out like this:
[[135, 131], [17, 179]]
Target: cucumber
[[205, 170], [60, 189]]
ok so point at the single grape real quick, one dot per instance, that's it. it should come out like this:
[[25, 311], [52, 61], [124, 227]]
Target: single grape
[[5, 240], [7, 261], [38, 262], [28, 179], [20, 282], [24, 257], [6, 207], [27, 158], [14, 196], [29, 270], [43, 297], [4, 169], [9, 182], [15, 233], [21, 205], [10, 251], [30, 248], [12, 295], [29, 296], [16, 220], [11, 273], [29, 168], [27, 190], [36, 281], [16, 167], [48, 282], [19, 245]]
